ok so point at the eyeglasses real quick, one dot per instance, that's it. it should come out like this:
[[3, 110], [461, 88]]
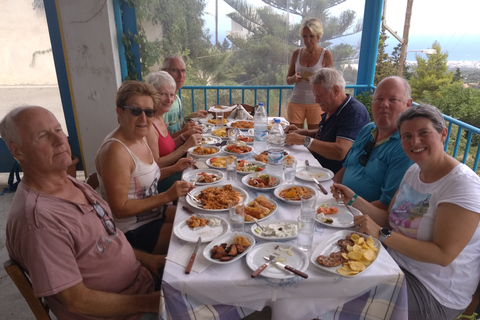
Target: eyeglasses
[[135, 111], [368, 147], [107, 222], [182, 71]]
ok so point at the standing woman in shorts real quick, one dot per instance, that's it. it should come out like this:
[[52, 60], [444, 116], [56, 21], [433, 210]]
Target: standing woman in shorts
[[304, 63]]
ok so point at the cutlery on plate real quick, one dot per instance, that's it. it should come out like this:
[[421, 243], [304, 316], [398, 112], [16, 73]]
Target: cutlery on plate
[[255, 220], [307, 165], [350, 210], [194, 255], [287, 267], [270, 259], [198, 202]]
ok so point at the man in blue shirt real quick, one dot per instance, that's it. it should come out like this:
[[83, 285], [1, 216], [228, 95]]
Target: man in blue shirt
[[376, 162], [343, 118]]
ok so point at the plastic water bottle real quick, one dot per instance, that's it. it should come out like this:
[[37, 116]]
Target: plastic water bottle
[[276, 144], [260, 120]]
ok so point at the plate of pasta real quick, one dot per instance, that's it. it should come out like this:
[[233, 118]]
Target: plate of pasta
[[216, 198], [293, 193]]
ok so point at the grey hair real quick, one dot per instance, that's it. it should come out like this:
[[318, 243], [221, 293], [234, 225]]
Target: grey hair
[[167, 62], [9, 127], [314, 25], [406, 85], [423, 111], [327, 78], [161, 79]]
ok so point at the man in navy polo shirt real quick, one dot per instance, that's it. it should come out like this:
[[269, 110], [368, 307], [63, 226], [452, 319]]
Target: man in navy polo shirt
[[342, 120]]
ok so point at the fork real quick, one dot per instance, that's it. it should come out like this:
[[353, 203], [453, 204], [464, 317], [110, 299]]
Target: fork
[[258, 224], [198, 202], [271, 258]]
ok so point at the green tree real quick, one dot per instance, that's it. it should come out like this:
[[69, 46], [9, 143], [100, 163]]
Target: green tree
[[430, 74], [457, 76], [264, 52], [385, 63]]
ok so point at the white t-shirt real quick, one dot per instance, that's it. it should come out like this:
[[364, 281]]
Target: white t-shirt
[[413, 215]]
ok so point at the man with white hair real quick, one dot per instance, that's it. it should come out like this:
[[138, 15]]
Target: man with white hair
[[343, 118], [61, 232]]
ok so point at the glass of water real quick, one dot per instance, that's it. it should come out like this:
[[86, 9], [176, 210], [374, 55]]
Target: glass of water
[[231, 167], [306, 228], [232, 134], [219, 118], [289, 170], [307, 206], [236, 214]]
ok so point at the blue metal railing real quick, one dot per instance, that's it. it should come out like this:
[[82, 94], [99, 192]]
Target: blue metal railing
[[228, 95]]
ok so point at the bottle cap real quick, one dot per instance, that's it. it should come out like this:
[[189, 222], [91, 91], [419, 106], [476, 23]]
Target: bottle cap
[[260, 104], [277, 120]]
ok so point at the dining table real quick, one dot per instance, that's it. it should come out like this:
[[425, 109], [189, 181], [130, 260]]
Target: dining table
[[227, 291]]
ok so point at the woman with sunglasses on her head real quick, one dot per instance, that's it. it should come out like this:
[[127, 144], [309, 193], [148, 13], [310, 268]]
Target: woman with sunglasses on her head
[[128, 174], [431, 227], [167, 150], [304, 63]]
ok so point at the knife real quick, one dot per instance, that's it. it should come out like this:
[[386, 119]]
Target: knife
[[194, 255], [297, 272], [315, 179]]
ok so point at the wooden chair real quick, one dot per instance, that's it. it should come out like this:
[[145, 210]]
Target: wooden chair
[[21, 280]]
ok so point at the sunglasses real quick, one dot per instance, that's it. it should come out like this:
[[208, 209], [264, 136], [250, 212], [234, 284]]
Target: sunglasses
[[135, 111], [107, 222], [368, 147]]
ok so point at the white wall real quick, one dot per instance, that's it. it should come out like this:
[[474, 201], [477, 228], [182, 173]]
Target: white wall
[[93, 64]]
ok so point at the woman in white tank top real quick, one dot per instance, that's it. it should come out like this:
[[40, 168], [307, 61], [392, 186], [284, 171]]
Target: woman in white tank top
[[304, 63]]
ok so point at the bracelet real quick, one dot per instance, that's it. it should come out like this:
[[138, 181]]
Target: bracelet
[[183, 138], [353, 199], [310, 143]]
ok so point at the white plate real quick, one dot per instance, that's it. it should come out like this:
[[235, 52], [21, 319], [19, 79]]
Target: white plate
[[209, 163], [206, 156], [196, 191], [229, 124], [299, 260], [210, 139], [329, 245], [193, 176], [276, 192], [322, 174], [246, 178], [266, 223], [342, 219], [248, 136], [224, 149], [269, 215], [228, 238], [255, 162], [184, 232]]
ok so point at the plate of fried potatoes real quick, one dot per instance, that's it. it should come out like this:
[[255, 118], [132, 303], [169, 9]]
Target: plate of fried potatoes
[[346, 253]]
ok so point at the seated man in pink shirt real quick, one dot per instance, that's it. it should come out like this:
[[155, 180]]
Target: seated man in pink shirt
[[61, 232]]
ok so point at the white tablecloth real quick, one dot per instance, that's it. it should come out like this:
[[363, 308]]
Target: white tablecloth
[[321, 295]]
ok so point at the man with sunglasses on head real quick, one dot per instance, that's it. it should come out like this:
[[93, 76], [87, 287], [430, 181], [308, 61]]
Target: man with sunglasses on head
[[376, 162], [61, 232], [343, 118], [176, 123]]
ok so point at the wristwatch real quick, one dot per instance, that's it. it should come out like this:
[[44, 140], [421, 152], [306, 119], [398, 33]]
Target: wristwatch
[[307, 142], [384, 234]]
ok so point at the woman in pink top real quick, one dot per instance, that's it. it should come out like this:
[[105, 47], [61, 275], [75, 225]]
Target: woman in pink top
[[167, 150], [305, 62]]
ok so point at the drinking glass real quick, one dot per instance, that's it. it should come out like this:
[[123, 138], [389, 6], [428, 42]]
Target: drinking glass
[[231, 167], [219, 118], [306, 227], [236, 214], [289, 170], [232, 134], [307, 206]]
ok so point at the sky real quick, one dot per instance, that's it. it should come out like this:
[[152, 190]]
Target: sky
[[454, 24]]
